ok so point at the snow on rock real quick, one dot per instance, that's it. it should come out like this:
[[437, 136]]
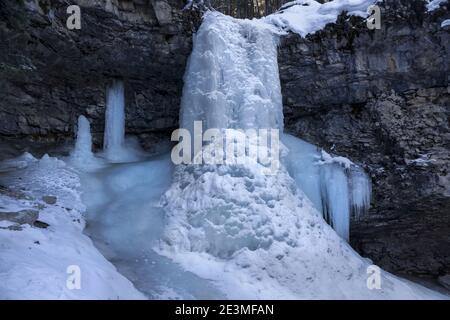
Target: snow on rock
[[445, 23], [34, 261], [308, 16], [326, 158], [423, 161], [434, 4]]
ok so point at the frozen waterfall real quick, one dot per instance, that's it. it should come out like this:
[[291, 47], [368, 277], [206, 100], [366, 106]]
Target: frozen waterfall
[[116, 148], [233, 82], [83, 144], [337, 187], [256, 235], [114, 121], [230, 230], [232, 79]]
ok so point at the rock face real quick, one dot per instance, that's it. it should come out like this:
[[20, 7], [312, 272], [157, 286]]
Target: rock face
[[445, 281], [49, 75], [382, 99]]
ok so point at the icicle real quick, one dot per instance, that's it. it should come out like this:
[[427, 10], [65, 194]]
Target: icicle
[[114, 121], [83, 144], [337, 187], [346, 192], [360, 192], [335, 198]]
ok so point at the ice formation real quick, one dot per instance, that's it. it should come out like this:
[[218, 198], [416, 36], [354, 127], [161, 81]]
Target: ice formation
[[82, 155], [126, 221], [114, 121], [116, 148], [243, 95], [83, 144], [256, 235], [20, 162], [336, 186]]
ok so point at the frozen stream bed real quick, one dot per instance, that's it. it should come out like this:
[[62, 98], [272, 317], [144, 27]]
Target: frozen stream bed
[[125, 221]]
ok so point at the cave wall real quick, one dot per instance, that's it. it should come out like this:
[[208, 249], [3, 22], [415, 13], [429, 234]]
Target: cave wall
[[49, 75], [382, 98]]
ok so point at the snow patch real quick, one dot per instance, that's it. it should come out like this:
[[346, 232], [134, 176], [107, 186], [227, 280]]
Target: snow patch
[[34, 261]]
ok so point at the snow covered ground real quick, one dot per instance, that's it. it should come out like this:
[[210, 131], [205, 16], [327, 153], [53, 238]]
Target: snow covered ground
[[34, 262]]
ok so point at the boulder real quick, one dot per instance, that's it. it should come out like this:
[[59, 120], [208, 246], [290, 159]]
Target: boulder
[[20, 217]]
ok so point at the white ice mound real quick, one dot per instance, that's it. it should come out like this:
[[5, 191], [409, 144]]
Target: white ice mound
[[82, 156], [34, 261], [227, 208], [255, 235]]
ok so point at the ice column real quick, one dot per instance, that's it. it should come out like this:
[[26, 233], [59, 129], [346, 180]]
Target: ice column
[[114, 121], [83, 144]]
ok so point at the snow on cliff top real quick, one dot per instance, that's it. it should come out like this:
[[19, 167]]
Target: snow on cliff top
[[308, 16], [434, 4]]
